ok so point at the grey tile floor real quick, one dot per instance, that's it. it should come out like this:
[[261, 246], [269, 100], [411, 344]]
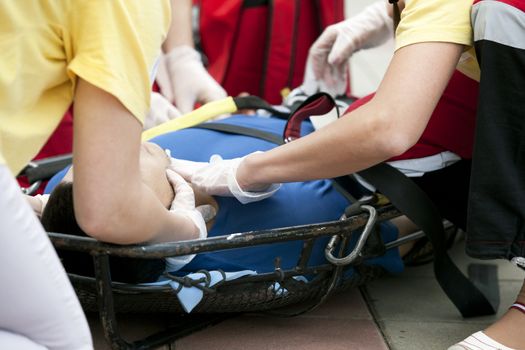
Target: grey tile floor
[[413, 312]]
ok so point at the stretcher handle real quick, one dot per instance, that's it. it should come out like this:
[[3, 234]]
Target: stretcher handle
[[356, 252], [318, 104], [44, 169]]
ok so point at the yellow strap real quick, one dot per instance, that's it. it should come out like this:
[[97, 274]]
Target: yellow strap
[[200, 115]]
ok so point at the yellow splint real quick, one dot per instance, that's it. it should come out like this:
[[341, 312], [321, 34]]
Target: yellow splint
[[200, 115]]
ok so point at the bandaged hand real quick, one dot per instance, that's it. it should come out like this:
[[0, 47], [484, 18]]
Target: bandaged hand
[[161, 110], [329, 54], [218, 178], [190, 81]]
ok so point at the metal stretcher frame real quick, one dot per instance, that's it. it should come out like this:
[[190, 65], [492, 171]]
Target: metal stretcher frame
[[246, 294]]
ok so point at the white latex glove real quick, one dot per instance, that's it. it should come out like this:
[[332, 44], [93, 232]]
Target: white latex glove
[[218, 178], [190, 81], [161, 110], [329, 54], [184, 203], [38, 203]]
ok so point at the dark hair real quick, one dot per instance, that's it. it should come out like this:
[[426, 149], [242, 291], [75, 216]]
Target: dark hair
[[59, 216]]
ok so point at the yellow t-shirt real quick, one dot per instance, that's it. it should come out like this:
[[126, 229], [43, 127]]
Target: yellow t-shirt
[[46, 45], [439, 20]]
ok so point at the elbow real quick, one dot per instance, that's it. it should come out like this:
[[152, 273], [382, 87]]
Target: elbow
[[100, 223], [393, 137], [94, 223]]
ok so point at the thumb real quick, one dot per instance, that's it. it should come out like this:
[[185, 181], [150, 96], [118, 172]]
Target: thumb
[[186, 168], [184, 196]]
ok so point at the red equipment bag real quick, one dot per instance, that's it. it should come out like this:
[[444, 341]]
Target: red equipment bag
[[261, 46]]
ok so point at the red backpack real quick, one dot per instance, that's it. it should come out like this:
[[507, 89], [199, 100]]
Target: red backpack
[[261, 46]]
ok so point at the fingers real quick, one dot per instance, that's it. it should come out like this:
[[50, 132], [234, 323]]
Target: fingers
[[184, 102], [161, 111], [320, 50], [211, 90], [172, 112], [341, 51], [184, 196], [186, 168]]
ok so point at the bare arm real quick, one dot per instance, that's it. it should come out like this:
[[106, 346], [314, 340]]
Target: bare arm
[[180, 32], [111, 202], [385, 127]]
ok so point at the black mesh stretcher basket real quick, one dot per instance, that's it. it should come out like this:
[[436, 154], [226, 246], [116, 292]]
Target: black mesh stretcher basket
[[255, 293], [247, 294]]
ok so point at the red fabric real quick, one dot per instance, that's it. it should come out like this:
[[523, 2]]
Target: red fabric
[[519, 4], [451, 126], [246, 57], [218, 26], [262, 50], [60, 142]]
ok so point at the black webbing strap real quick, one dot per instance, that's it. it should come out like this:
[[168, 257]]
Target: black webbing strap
[[255, 102], [412, 201], [241, 130]]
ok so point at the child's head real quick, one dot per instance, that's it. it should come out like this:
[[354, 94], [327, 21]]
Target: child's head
[[153, 165]]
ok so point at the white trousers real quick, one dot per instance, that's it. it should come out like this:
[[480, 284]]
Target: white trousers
[[38, 306]]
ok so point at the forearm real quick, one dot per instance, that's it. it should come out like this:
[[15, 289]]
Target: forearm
[[325, 153], [110, 200], [180, 32], [387, 126], [140, 217]]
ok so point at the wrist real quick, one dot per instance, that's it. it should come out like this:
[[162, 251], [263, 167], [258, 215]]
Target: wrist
[[246, 174], [183, 53]]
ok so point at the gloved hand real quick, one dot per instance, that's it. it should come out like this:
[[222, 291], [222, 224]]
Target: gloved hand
[[38, 203], [190, 81], [161, 110], [184, 201], [329, 54], [218, 178]]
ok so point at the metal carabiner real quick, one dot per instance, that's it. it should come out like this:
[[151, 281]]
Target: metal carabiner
[[354, 254]]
